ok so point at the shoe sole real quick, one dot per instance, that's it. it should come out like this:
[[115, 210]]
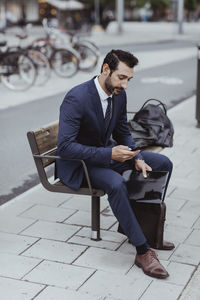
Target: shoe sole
[[149, 274]]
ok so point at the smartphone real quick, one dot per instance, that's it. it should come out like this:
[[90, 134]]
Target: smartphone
[[135, 149]]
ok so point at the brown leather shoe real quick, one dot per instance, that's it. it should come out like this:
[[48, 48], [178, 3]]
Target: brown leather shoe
[[150, 265], [167, 246]]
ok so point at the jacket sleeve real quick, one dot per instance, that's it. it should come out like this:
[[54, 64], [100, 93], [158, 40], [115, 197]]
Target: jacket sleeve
[[71, 114], [121, 133]]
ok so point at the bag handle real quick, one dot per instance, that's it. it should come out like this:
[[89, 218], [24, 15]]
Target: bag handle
[[160, 104]]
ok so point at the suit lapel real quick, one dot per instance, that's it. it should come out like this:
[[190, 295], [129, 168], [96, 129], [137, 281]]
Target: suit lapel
[[97, 107]]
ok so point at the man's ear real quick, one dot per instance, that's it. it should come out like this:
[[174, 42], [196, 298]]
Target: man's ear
[[106, 70]]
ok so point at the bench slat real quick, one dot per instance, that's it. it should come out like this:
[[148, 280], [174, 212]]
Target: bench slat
[[46, 138]]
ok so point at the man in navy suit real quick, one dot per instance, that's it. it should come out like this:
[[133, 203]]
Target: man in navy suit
[[93, 127]]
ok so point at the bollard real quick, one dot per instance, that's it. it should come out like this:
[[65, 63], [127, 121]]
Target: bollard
[[198, 89]]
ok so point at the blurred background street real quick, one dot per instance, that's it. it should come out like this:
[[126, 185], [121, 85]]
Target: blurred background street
[[157, 32]]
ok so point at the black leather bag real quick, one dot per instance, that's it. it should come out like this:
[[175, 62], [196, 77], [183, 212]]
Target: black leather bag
[[151, 126], [151, 218], [150, 189], [146, 200]]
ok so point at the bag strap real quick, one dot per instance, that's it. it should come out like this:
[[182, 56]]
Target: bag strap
[[160, 103]]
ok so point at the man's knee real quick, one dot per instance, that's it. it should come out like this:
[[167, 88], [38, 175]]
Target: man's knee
[[166, 164], [116, 183]]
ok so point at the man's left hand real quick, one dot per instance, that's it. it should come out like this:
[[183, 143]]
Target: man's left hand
[[140, 165]]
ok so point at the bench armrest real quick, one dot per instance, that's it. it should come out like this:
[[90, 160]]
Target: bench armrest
[[62, 158]]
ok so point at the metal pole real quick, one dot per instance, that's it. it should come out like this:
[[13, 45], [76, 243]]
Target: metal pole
[[3, 14], [198, 88], [97, 12], [120, 15], [180, 16]]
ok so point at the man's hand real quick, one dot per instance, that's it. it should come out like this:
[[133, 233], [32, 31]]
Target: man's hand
[[123, 153], [140, 165]]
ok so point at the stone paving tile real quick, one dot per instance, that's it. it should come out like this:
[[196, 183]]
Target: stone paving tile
[[47, 213], [42, 196], [83, 218], [194, 238], [15, 207], [80, 202], [114, 227], [186, 254], [192, 206], [179, 218], [127, 248], [105, 260], [185, 193], [80, 240], [110, 285], [174, 203], [12, 289], [176, 234], [15, 266], [15, 244], [192, 291], [107, 211], [170, 189], [191, 185], [52, 293], [162, 290], [55, 251], [180, 273], [49, 230], [59, 274], [165, 255], [14, 224], [197, 224], [106, 235]]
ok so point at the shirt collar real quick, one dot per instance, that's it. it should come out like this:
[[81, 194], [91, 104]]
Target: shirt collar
[[102, 94]]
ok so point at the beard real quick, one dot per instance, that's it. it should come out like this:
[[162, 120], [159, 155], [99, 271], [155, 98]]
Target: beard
[[112, 89]]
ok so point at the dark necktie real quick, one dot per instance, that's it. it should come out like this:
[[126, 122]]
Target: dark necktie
[[108, 113]]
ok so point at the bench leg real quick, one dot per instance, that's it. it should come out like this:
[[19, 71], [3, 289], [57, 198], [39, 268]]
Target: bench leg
[[95, 234]]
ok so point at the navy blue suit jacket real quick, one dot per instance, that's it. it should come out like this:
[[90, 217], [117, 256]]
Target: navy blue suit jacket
[[82, 133]]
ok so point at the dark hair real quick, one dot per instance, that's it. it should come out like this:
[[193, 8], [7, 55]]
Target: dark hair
[[115, 56]]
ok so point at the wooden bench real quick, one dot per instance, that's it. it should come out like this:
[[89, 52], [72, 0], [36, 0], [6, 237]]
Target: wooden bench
[[43, 143]]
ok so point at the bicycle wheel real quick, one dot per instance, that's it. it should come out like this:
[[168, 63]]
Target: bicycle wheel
[[44, 46], [42, 66], [91, 45], [17, 71], [64, 62], [89, 57]]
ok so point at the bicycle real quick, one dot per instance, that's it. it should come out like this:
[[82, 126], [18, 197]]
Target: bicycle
[[65, 62], [39, 60], [17, 71], [88, 52]]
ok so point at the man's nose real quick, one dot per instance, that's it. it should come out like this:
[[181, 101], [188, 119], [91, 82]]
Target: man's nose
[[124, 84]]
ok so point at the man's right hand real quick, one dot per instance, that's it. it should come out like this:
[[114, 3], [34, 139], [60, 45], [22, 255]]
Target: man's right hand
[[122, 153]]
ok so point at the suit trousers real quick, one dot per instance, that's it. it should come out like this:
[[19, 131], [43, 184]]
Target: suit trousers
[[111, 181]]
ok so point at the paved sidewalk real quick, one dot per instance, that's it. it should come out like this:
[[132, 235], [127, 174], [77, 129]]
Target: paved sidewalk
[[47, 254]]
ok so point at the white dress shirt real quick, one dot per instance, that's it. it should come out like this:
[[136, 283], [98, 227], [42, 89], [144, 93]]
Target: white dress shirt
[[103, 96]]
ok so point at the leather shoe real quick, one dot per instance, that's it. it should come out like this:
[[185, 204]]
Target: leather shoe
[[167, 246], [150, 264]]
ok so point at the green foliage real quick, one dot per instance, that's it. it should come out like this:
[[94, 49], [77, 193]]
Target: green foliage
[[141, 3], [191, 5], [159, 4]]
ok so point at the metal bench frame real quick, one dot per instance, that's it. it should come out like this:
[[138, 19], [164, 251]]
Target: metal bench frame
[[58, 186]]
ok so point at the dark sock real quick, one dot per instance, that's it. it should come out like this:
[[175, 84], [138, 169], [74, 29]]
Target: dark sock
[[142, 249]]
